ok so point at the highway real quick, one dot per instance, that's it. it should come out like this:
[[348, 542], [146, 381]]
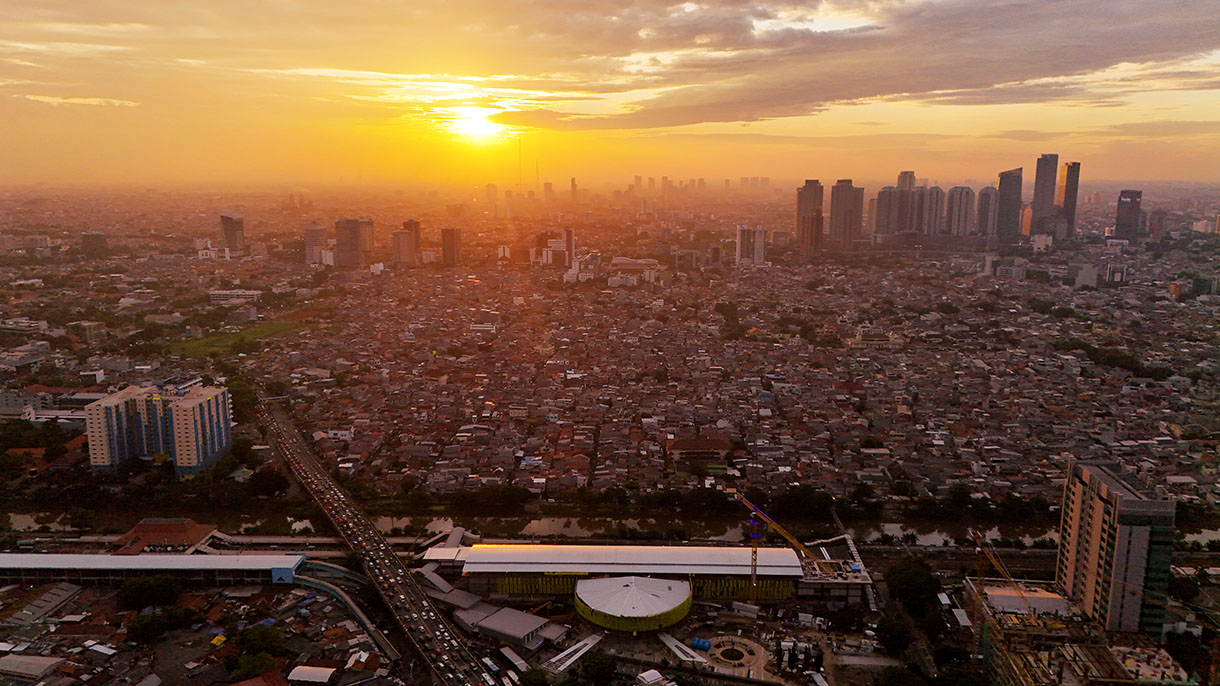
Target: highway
[[444, 651]]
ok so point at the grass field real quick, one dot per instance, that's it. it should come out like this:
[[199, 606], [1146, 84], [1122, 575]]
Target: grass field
[[223, 342]]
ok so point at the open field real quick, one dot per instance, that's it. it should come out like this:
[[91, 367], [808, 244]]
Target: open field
[[223, 342]]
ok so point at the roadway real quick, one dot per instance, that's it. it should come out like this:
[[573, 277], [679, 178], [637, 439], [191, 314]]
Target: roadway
[[442, 649]]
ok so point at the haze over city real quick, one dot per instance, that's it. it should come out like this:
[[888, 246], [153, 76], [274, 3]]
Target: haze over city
[[230, 93], [709, 343]]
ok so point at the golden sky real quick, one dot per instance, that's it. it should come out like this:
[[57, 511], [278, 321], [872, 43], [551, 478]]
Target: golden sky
[[309, 92]]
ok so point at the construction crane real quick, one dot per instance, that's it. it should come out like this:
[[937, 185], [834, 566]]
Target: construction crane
[[987, 550], [800, 547]]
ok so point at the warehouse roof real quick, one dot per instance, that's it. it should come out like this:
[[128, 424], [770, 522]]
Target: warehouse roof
[[632, 596], [152, 561], [627, 559]]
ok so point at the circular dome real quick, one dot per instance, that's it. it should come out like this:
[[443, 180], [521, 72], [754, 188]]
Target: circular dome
[[633, 603]]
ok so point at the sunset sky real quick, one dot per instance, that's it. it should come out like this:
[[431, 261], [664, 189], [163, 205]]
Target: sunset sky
[[282, 92]]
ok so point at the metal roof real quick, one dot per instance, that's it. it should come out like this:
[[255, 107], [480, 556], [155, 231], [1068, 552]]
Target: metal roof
[[632, 596], [628, 559], [150, 561]]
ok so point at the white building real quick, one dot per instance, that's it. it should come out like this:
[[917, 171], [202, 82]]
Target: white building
[[234, 297]]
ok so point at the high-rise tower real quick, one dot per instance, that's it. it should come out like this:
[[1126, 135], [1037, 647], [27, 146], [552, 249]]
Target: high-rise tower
[[959, 210], [1044, 191], [989, 203], [1008, 207], [809, 217], [404, 245], [234, 228], [1069, 185], [1127, 219], [315, 243], [1115, 546], [846, 213], [451, 246], [353, 242]]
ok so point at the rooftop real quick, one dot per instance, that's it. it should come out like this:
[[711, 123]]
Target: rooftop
[[627, 559], [154, 562], [632, 596]]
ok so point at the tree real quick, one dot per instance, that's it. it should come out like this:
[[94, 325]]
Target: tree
[[268, 481], [261, 639], [598, 669], [899, 676], [533, 677], [250, 666], [893, 634]]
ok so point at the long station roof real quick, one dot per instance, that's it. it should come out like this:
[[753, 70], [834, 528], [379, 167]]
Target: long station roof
[[626, 559], [182, 563]]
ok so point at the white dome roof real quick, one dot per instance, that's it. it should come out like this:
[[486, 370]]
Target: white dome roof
[[632, 596]]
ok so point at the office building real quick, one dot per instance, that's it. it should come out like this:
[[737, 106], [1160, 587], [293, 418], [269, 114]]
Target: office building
[[809, 217], [1114, 549], [234, 228], [959, 210], [989, 203], [574, 190], [906, 180], [846, 213], [751, 245], [404, 245], [353, 243], [1043, 205], [451, 246], [191, 427], [1129, 216], [1008, 207], [1065, 200], [315, 243]]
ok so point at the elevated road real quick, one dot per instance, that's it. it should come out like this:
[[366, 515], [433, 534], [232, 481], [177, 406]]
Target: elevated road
[[442, 649]]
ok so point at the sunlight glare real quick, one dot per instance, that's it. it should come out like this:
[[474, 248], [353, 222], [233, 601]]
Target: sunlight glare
[[472, 122]]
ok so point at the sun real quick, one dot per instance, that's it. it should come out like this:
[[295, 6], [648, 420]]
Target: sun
[[472, 122]]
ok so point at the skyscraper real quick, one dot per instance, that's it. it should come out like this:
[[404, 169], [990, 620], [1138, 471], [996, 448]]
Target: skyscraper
[[353, 242], [1115, 546], [809, 217], [1008, 207], [315, 243], [751, 245], [989, 203], [1127, 220], [573, 188], [405, 244], [906, 180], [1069, 184], [1044, 191], [959, 210], [234, 228], [846, 213], [451, 246]]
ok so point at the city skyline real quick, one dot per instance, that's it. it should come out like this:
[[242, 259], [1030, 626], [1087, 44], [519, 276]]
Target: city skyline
[[118, 94]]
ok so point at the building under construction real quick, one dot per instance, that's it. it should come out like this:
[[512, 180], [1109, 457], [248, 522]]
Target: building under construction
[[1030, 635]]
